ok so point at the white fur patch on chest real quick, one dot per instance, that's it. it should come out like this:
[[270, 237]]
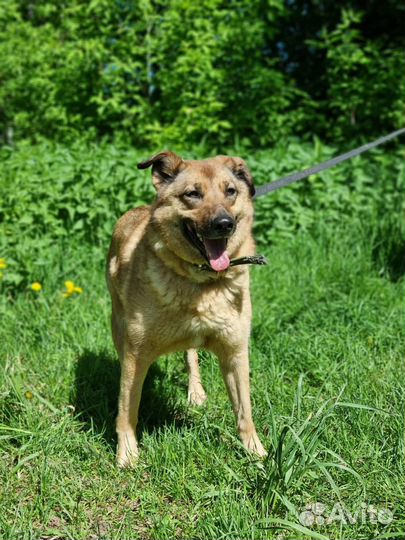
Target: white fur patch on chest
[[194, 311]]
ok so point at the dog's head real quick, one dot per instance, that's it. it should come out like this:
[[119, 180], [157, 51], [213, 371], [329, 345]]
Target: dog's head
[[204, 208]]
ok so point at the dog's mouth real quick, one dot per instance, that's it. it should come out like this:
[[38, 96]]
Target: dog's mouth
[[212, 249]]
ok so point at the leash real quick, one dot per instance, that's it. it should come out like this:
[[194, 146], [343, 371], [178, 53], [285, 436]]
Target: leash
[[291, 178]]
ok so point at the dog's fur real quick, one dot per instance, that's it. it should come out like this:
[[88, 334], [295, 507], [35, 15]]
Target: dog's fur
[[163, 302]]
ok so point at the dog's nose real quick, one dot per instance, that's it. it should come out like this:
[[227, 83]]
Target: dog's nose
[[222, 224]]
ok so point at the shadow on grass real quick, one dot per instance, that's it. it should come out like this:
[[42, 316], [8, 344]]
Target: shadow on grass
[[96, 396], [395, 260], [389, 250]]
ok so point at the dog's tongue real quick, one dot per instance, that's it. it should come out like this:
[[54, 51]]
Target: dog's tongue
[[217, 254]]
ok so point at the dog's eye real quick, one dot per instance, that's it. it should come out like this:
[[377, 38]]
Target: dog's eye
[[230, 192], [194, 194]]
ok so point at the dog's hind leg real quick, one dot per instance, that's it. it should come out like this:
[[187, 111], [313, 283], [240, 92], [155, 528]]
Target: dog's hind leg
[[133, 373], [196, 393]]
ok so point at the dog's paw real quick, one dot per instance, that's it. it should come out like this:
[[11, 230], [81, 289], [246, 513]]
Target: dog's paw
[[196, 395], [197, 399], [127, 462], [253, 445], [127, 451]]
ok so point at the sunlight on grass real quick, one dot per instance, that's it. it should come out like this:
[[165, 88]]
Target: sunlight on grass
[[326, 369]]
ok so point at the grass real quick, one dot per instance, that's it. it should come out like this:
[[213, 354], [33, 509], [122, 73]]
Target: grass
[[327, 385]]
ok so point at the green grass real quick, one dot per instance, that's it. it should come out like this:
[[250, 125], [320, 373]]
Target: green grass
[[327, 386]]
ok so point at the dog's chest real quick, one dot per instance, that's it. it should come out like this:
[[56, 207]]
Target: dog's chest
[[214, 310], [198, 310]]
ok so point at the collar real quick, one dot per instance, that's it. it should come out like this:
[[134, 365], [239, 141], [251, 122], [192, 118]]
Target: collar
[[249, 259]]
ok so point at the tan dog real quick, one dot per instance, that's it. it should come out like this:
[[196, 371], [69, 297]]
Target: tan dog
[[173, 287]]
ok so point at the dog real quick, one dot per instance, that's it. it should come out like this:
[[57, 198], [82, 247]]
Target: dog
[[173, 286]]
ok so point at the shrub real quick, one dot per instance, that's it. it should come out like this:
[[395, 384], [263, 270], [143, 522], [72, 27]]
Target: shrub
[[53, 194]]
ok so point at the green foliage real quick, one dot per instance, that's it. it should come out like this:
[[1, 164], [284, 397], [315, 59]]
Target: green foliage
[[369, 189], [212, 73], [179, 72], [365, 87], [50, 193], [47, 79]]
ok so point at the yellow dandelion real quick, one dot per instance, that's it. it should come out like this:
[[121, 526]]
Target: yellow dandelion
[[71, 288], [36, 286], [3, 263], [28, 394]]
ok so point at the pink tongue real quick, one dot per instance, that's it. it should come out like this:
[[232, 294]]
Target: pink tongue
[[217, 254]]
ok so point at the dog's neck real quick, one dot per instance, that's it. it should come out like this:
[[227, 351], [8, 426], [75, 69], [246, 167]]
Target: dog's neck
[[194, 272]]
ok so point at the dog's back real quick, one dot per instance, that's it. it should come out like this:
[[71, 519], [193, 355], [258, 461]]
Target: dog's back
[[126, 237]]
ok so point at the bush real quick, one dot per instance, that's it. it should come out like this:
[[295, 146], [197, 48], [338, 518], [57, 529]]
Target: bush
[[159, 73], [52, 194]]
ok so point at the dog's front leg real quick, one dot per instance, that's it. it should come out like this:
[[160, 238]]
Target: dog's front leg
[[133, 372], [235, 370], [196, 393]]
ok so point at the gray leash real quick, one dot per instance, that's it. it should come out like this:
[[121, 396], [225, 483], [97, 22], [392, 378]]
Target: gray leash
[[290, 179]]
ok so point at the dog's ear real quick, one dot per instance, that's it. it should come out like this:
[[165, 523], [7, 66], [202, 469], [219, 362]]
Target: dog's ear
[[165, 167], [240, 169]]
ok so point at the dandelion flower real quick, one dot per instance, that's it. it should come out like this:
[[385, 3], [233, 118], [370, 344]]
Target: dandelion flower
[[28, 394], [36, 286], [3, 264], [69, 285], [71, 288]]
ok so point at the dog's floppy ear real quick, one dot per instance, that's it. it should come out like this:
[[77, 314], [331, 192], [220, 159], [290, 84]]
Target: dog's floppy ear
[[240, 169], [165, 167]]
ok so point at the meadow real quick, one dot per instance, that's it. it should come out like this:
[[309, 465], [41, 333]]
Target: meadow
[[327, 366]]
